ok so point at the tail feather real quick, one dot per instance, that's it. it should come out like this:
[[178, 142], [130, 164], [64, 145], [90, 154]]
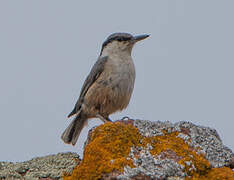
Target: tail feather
[[71, 134]]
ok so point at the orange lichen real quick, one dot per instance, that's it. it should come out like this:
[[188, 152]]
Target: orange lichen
[[110, 145], [107, 151], [175, 147], [223, 173]]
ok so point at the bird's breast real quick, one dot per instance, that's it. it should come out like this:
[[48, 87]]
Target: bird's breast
[[113, 88], [121, 74]]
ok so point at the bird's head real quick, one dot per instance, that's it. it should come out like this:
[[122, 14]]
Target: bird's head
[[120, 43]]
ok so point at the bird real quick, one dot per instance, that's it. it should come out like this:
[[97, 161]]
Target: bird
[[108, 87]]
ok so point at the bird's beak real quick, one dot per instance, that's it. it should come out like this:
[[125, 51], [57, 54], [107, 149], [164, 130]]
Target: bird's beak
[[140, 37]]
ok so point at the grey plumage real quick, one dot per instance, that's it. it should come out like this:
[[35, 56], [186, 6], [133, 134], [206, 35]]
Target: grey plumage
[[109, 85], [91, 78]]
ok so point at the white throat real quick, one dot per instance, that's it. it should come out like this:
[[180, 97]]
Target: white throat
[[117, 48]]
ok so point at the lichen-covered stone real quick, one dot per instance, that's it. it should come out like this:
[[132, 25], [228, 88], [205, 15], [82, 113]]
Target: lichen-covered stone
[[49, 167], [137, 150], [153, 150], [108, 150]]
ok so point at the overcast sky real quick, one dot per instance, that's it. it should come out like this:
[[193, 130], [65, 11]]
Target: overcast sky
[[47, 48]]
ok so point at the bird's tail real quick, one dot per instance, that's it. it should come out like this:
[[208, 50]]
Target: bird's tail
[[71, 134]]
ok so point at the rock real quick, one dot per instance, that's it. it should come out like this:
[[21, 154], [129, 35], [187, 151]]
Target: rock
[[204, 139], [136, 149], [44, 168]]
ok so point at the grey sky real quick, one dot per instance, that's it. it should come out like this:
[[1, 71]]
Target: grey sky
[[184, 70]]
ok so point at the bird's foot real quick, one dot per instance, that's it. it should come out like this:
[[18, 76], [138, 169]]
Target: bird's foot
[[125, 118]]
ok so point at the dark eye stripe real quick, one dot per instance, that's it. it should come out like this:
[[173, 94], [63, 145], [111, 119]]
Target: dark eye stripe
[[123, 38], [117, 37]]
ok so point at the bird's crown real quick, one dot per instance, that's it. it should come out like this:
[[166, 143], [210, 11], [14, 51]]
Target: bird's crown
[[117, 37]]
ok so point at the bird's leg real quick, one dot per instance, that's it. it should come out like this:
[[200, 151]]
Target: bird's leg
[[104, 119], [125, 118]]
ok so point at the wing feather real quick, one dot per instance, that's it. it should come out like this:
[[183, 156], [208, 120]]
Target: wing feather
[[95, 72]]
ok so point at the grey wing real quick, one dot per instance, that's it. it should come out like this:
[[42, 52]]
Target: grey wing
[[92, 77]]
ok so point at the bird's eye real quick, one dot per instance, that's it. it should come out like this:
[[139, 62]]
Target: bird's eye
[[123, 39]]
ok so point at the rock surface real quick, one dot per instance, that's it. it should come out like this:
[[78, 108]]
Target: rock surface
[[135, 149], [49, 167]]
